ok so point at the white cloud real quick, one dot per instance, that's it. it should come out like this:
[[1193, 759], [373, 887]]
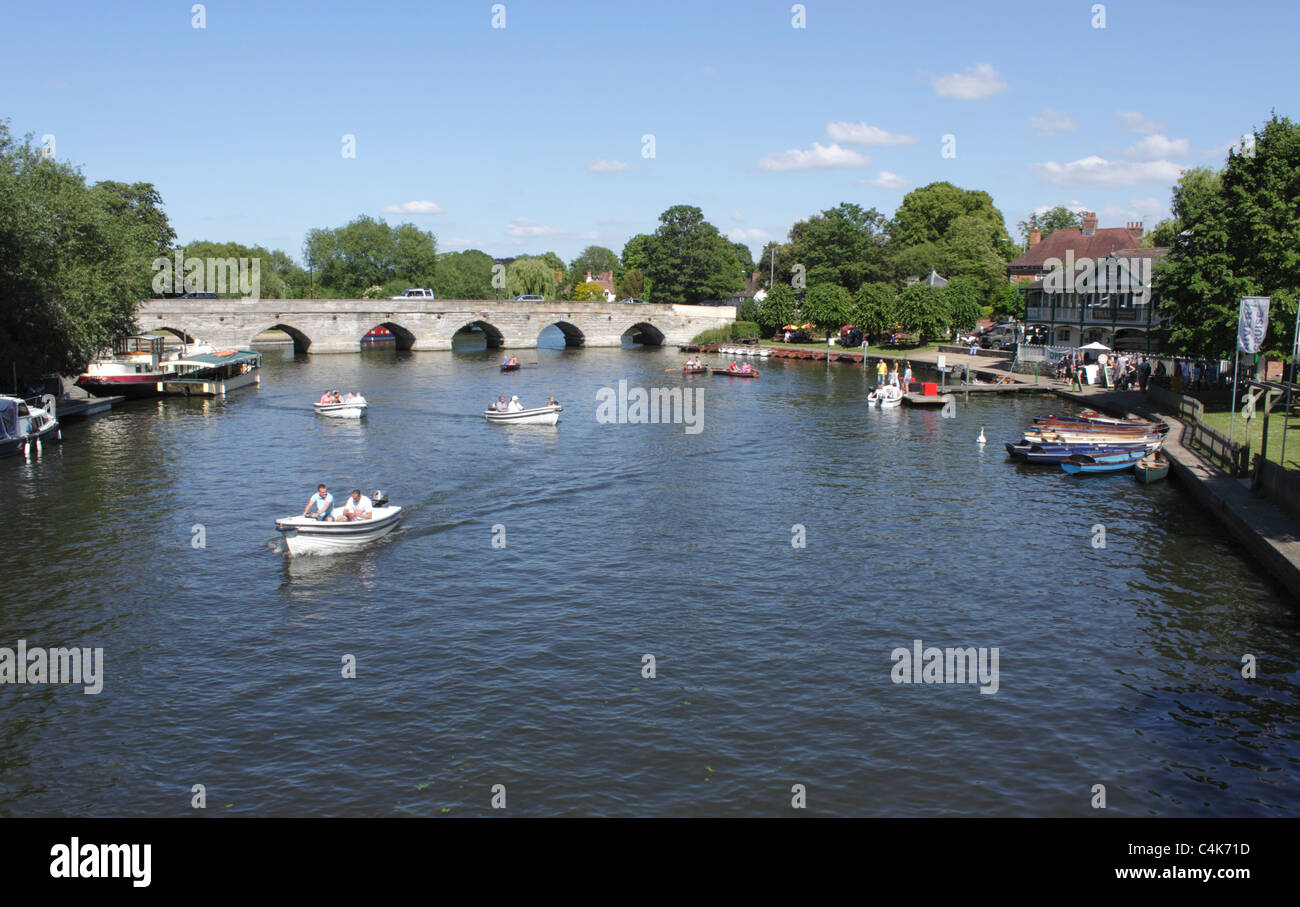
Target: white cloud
[[1076, 206], [862, 134], [1156, 148], [749, 237], [522, 226], [1097, 171], [819, 157], [413, 208], [1150, 211], [975, 84], [1049, 122], [604, 166], [1139, 123], [885, 180]]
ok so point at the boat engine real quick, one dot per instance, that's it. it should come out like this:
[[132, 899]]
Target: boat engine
[[379, 499]]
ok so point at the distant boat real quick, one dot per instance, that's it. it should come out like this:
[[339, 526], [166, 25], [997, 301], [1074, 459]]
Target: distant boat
[[695, 370], [736, 373], [510, 366], [348, 409], [541, 415], [1151, 468], [379, 335]]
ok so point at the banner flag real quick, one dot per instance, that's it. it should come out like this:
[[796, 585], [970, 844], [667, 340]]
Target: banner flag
[[1252, 323]]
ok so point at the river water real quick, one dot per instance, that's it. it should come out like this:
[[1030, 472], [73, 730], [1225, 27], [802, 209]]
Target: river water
[[479, 665]]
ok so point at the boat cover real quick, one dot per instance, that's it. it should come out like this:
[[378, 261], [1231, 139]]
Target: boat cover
[[8, 418]]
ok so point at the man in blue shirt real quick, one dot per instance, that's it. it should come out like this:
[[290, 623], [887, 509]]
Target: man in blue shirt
[[323, 501]]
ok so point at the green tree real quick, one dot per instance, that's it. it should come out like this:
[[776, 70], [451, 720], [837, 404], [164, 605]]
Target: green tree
[[273, 267], [1239, 235], [367, 251], [926, 214], [1005, 302], [842, 245], [464, 275], [828, 306], [690, 261], [875, 308], [587, 291], [962, 302], [531, 276], [632, 284], [777, 309], [1051, 220], [594, 259], [76, 260], [1163, 236], [923, 311]]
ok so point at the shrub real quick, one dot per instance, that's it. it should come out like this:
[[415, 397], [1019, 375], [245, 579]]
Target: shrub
[[732, 333]]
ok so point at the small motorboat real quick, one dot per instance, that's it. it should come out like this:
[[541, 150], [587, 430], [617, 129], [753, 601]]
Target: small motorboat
[[541, 415], [887, 396], [1151, 468], [348, 409], [305, 535], [24, 425], [1082, 464], [736, 373]]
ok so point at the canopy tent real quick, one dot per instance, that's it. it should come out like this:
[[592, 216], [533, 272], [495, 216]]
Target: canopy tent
[[1097, 347]]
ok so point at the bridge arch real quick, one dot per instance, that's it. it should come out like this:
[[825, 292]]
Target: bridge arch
[[571, 333], [301, 342], [645, 334], [183, 336], [491, 333], [403, 338]]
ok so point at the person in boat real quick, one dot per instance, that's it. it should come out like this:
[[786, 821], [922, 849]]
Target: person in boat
[[550, 401], [337, 397], [326, 399], [514, 406], [320, 505], [500, 405], [746, 368], [356, 507]]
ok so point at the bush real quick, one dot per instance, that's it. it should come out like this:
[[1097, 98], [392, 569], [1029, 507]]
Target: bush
[[732, 333]]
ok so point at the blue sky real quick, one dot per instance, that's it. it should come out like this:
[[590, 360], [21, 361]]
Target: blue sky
[[528, 138]]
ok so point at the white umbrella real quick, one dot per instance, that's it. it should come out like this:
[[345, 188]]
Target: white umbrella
[[1101, 347]]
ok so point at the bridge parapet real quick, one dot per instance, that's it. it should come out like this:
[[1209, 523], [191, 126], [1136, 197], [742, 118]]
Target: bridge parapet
[[337, 325]]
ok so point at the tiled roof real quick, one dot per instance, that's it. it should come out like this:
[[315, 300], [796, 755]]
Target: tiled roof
[[1100, 244]]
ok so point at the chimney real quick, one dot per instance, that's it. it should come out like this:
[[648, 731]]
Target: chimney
[[1090, 223], [1135, 227], [1035, 237]]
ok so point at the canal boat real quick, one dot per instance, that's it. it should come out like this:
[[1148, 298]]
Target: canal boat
[[736, 373], [135, 366], [214, 374], [1151, 468], [541, 415], [348, 409], [25, 425], [1084, 464], [305, 535]]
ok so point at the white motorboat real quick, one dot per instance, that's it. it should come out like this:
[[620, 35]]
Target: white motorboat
[[305, 535], [348, 409], [24, 425], [885, 397], [542, 415]]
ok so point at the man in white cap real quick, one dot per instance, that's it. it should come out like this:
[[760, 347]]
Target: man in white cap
[[515, 405]]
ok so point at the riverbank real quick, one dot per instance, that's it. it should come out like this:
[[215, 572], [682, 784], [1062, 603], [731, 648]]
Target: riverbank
[[1269, 535]]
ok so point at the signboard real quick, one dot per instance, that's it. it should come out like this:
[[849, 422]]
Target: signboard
[[1252, 323], [942, 362]]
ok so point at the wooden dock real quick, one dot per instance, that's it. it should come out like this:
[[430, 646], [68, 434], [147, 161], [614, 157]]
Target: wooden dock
[[82, 407]]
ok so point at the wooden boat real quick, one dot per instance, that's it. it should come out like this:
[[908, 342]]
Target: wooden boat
[[1151, 468], [735, 373], [1086, 464], [541, 415], [304, 535], [510, 367], [695, 370], [348, 409]]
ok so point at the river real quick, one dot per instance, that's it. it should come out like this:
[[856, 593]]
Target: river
[[479, 665]]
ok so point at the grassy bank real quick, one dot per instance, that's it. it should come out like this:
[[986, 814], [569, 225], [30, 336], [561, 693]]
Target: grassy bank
[[1219, 417]]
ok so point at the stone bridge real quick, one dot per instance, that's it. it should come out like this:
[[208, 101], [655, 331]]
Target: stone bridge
[[337, 325]]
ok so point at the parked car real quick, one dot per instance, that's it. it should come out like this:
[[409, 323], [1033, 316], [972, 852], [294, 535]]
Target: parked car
[[414, 294], [530, 297], [200, 296], [632, 300]]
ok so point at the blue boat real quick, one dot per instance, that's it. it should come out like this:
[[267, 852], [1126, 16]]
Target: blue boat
[[1115, 462], [1034, 452]]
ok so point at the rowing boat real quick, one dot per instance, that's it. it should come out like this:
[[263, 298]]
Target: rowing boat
[[510, 368], [1151, 468], [1116, 462], [698, 370], [736, 373], [541, 415]]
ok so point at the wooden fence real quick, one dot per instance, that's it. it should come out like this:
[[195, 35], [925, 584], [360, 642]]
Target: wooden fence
[[1213, 444]]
